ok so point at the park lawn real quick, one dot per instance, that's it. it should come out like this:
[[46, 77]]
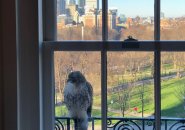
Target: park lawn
[[61, 111], [135, 100], [144, 74], [171, 106], [168, 66], [128, 77]]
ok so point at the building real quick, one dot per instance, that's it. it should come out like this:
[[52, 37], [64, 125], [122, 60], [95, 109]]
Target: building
[[81, 3], [162, 15], [71, 2], [62, 20], [93, 19], [81, 7], [112, 18], [89, 19], [129, 22], [91, 4], [71, 9], [61, 6]]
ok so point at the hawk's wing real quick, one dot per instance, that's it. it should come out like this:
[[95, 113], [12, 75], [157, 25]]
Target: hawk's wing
[[90, 91]]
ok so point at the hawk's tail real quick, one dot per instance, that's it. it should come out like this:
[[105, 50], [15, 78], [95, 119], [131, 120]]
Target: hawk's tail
[[81, 124]]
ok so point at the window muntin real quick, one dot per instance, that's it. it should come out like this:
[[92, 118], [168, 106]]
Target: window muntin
[[172, 20], [131, 18]]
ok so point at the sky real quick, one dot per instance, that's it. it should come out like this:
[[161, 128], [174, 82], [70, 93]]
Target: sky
[[132, 8]]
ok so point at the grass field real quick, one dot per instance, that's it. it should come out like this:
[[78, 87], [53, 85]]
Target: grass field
[[171, 106]]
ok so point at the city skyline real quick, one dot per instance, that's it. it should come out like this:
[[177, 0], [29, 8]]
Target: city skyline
[[171, 8], [143, 8]]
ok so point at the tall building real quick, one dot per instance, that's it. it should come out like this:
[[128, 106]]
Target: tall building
[[92, 4], [81, 7], [71, 9], [112, 17], [162, 15], [81, 3], [71, 2], [62, 6], [90, 19]]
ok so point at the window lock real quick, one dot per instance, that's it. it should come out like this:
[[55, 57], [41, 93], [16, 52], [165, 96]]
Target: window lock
[[130, 43]]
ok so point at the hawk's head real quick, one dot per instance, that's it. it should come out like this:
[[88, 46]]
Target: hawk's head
[[76, 77]]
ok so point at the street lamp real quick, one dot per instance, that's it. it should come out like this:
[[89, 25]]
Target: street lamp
[[82, 27]]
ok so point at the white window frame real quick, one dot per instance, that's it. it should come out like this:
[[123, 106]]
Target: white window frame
[[51, 45]]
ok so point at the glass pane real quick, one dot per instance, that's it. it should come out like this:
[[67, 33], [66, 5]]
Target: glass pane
[[79, 20], [88, 63], [131, 18], [172, 20], [173, 87], [131, 87], [173, 84]]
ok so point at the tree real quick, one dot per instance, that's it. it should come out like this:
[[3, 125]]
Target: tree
[[141, 91], [62, 68], [124, 97], [178, 61]]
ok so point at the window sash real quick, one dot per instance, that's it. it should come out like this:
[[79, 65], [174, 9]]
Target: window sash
[[51, 45]]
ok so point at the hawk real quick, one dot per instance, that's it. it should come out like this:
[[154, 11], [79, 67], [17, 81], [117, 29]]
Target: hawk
[[78, 97]]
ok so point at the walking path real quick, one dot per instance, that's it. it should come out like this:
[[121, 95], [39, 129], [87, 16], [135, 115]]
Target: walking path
[[140, 82]]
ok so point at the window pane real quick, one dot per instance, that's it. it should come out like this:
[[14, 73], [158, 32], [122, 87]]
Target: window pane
[[173, 84], [79, 20], [131, 86], [88, 63], [131, 17], [173, 87], [172, 20]]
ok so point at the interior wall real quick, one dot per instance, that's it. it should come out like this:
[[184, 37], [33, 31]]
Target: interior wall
[[9, 71], [9, 64], [19, 57], [1, 73], [29, 65]]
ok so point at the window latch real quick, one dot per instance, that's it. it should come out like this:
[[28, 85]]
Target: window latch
[[130, 38], [130, 43]]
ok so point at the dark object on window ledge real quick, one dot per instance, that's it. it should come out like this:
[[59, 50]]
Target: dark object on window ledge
[[130, 43], [130, 38]]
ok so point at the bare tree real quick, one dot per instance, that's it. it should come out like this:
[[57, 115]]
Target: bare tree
[[141, 91], [124, 97]]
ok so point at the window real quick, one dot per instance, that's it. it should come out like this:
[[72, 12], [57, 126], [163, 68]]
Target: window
[[144, 61]]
